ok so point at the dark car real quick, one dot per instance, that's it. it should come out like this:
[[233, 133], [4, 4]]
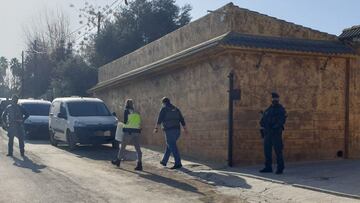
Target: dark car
[[37, 125]]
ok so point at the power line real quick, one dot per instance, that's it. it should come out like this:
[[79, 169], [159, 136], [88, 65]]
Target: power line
[[76, 30]]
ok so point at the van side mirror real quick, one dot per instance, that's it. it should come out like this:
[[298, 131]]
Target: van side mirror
[[61, 115], [114, 114]]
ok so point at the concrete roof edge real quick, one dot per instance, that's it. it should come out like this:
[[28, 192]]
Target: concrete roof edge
[[167, 60], [281, 20], [229, 5]]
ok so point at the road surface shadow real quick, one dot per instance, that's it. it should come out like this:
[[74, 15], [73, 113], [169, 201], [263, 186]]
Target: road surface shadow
[[37, 141], [28, 164], [98, 152], [166, 181], [339, 176], [218, 178]]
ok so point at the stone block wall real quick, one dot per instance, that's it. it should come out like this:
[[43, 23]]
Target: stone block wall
[[206, 28], [250, 22], [313, 96], [354, 141], [225, 19], [199, 89], [314, 99]]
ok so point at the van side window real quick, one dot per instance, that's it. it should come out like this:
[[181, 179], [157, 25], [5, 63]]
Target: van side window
[[63, 109], [55, 108]]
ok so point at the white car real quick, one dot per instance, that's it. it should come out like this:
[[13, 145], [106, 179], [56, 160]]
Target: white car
[[81, 120], [37, 125]]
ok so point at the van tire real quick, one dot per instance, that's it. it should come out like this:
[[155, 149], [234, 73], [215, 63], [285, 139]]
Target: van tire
[[71, 141], [53, 141], [115, 144]]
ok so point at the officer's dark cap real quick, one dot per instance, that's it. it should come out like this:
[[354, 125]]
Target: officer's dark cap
[[275, 95], [165, 100]]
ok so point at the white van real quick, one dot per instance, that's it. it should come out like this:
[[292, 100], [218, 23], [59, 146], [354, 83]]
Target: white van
[[81, 120], [37, 125]]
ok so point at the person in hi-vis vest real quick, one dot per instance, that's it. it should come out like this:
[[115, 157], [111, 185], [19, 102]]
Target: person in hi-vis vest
[[132, 130]]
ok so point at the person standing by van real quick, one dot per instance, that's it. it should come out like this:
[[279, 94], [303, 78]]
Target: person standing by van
[[13, 117], [170, 117], [132, 131]]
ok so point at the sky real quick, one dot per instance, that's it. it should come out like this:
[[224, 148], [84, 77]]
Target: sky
[[330, 16]]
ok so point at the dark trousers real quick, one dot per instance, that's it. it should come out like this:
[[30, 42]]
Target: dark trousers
[[273, 139], [172, 136], [16, 131]]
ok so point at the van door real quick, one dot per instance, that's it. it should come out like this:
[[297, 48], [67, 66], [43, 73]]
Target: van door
[[55, 121], [62, 122]]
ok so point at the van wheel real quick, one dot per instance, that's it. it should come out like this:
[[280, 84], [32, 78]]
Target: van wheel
[[115, 144], [53, 141], [70, 138]]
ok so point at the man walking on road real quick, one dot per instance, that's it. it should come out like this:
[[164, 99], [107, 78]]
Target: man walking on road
[[13, 118], [272, 124], [170, 117]]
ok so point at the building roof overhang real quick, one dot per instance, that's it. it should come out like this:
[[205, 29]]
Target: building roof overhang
[[242, 42]]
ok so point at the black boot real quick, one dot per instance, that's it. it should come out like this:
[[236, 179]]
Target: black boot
[[176, 166], [116, 162], [266, 170], [162, 163], [139, 167]]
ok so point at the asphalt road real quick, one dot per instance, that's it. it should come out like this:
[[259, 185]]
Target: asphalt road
[[54, 174]]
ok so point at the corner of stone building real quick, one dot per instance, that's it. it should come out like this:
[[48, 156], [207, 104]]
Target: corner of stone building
[[251, 22]]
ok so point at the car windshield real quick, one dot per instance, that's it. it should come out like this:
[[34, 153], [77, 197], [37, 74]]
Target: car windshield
[[37, 109], [81, 108]]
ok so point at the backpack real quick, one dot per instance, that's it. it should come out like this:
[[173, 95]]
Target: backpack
[[172, 118]]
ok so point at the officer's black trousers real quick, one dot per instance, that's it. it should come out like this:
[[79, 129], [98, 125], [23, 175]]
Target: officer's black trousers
[[273, 139], [16, 131]]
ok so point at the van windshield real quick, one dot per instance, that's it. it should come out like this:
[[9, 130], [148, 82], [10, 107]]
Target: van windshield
[[35, 109], [81, 108]]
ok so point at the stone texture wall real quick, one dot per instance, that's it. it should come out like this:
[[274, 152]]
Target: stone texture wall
[[206, 28], [199, 89], [226, 19], [314, 99], [354, 141], [250, 22]]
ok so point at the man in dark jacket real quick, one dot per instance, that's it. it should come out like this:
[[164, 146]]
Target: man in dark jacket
[[13, 117], [170, 117], [272, 124]]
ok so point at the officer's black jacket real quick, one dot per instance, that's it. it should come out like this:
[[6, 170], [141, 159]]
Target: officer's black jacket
[[274, 117]]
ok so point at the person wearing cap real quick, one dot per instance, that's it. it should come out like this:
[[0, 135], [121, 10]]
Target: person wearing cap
[[13, 117], [272, 125], [170, 118]]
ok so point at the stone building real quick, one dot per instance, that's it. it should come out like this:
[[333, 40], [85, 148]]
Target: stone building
[[316, 75]]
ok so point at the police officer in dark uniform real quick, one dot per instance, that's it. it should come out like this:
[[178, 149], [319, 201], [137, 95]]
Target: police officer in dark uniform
[[13, 117], [272, 125]]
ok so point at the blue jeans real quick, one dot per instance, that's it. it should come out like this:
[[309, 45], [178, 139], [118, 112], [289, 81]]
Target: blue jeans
[[172, 136]]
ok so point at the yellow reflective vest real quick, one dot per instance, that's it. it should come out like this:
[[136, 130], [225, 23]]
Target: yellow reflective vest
[[134, 121]]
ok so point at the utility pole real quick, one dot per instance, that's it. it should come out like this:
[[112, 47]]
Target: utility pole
[[22, 75], [234, 94], [99, 22], [36, 82]]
